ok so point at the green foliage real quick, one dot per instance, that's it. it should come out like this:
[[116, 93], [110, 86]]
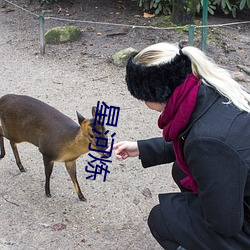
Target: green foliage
[[211, 7], [165, 6], [226, 6], [158, 6], [47, 1], [244, 4]]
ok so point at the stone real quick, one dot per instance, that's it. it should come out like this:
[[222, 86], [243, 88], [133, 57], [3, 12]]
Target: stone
[[121, 58], [2, 3], [239, 76], [147, 193], [63, 34]]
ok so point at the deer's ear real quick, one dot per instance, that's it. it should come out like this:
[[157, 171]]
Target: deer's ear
[[80, 118], [94, 111]]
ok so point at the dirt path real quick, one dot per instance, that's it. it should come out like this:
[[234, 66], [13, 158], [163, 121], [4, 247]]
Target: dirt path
[[74, 77], [115, 214]]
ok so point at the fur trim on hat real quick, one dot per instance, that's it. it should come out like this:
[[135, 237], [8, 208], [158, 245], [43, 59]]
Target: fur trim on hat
[[156, 83]]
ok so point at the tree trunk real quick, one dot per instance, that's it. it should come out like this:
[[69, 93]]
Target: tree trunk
[[183, 11]]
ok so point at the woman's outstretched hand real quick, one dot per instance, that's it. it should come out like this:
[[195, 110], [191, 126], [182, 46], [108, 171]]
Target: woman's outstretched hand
[[125, 149]]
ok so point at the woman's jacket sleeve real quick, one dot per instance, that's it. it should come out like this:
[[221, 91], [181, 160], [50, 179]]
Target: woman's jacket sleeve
[[155, 151]]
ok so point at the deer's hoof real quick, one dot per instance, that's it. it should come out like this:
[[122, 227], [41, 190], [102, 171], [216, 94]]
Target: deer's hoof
[[82, 198]]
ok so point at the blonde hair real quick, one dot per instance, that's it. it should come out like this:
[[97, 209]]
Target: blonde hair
[[202, 67]]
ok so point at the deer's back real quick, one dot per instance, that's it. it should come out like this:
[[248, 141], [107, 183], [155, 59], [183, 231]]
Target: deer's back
[[24, 118]]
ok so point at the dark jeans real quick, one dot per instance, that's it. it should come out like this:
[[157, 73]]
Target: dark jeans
[[156, 222]]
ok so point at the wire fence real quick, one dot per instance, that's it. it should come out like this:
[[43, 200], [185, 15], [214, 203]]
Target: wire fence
[[191, 28]]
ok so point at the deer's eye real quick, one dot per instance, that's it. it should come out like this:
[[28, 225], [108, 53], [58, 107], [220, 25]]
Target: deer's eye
[[91, 136]]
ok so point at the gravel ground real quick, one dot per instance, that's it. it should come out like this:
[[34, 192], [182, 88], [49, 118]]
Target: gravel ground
[[72, 77]]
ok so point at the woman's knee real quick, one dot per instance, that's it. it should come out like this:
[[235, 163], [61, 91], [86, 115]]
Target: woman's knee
[[159, 229], [153, 218]]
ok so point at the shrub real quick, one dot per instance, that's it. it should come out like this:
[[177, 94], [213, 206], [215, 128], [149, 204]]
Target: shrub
[[157, 6], [165, 6], [47, 1]]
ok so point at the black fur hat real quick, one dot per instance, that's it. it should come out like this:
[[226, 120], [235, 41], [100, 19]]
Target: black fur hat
[[156, 83]]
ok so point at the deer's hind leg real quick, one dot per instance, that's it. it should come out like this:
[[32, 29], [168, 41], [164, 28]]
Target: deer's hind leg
[[1, 144], [71, 168], [18, 161]]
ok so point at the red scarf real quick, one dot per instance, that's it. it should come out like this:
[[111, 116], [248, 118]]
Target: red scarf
[[174, 119]]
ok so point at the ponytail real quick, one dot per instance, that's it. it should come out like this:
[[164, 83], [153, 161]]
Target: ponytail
[[218, 78]]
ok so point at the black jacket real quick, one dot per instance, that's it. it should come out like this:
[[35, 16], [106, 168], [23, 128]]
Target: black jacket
[[216, 145]]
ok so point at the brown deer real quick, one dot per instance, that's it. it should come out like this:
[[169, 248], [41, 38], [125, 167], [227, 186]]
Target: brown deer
[[59, 138]]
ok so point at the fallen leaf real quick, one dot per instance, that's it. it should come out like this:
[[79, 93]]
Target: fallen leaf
[[146, 192], [147, 15], [58, 227]]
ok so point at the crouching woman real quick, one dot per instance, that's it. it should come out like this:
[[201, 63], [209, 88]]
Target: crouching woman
[[205, 122]]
